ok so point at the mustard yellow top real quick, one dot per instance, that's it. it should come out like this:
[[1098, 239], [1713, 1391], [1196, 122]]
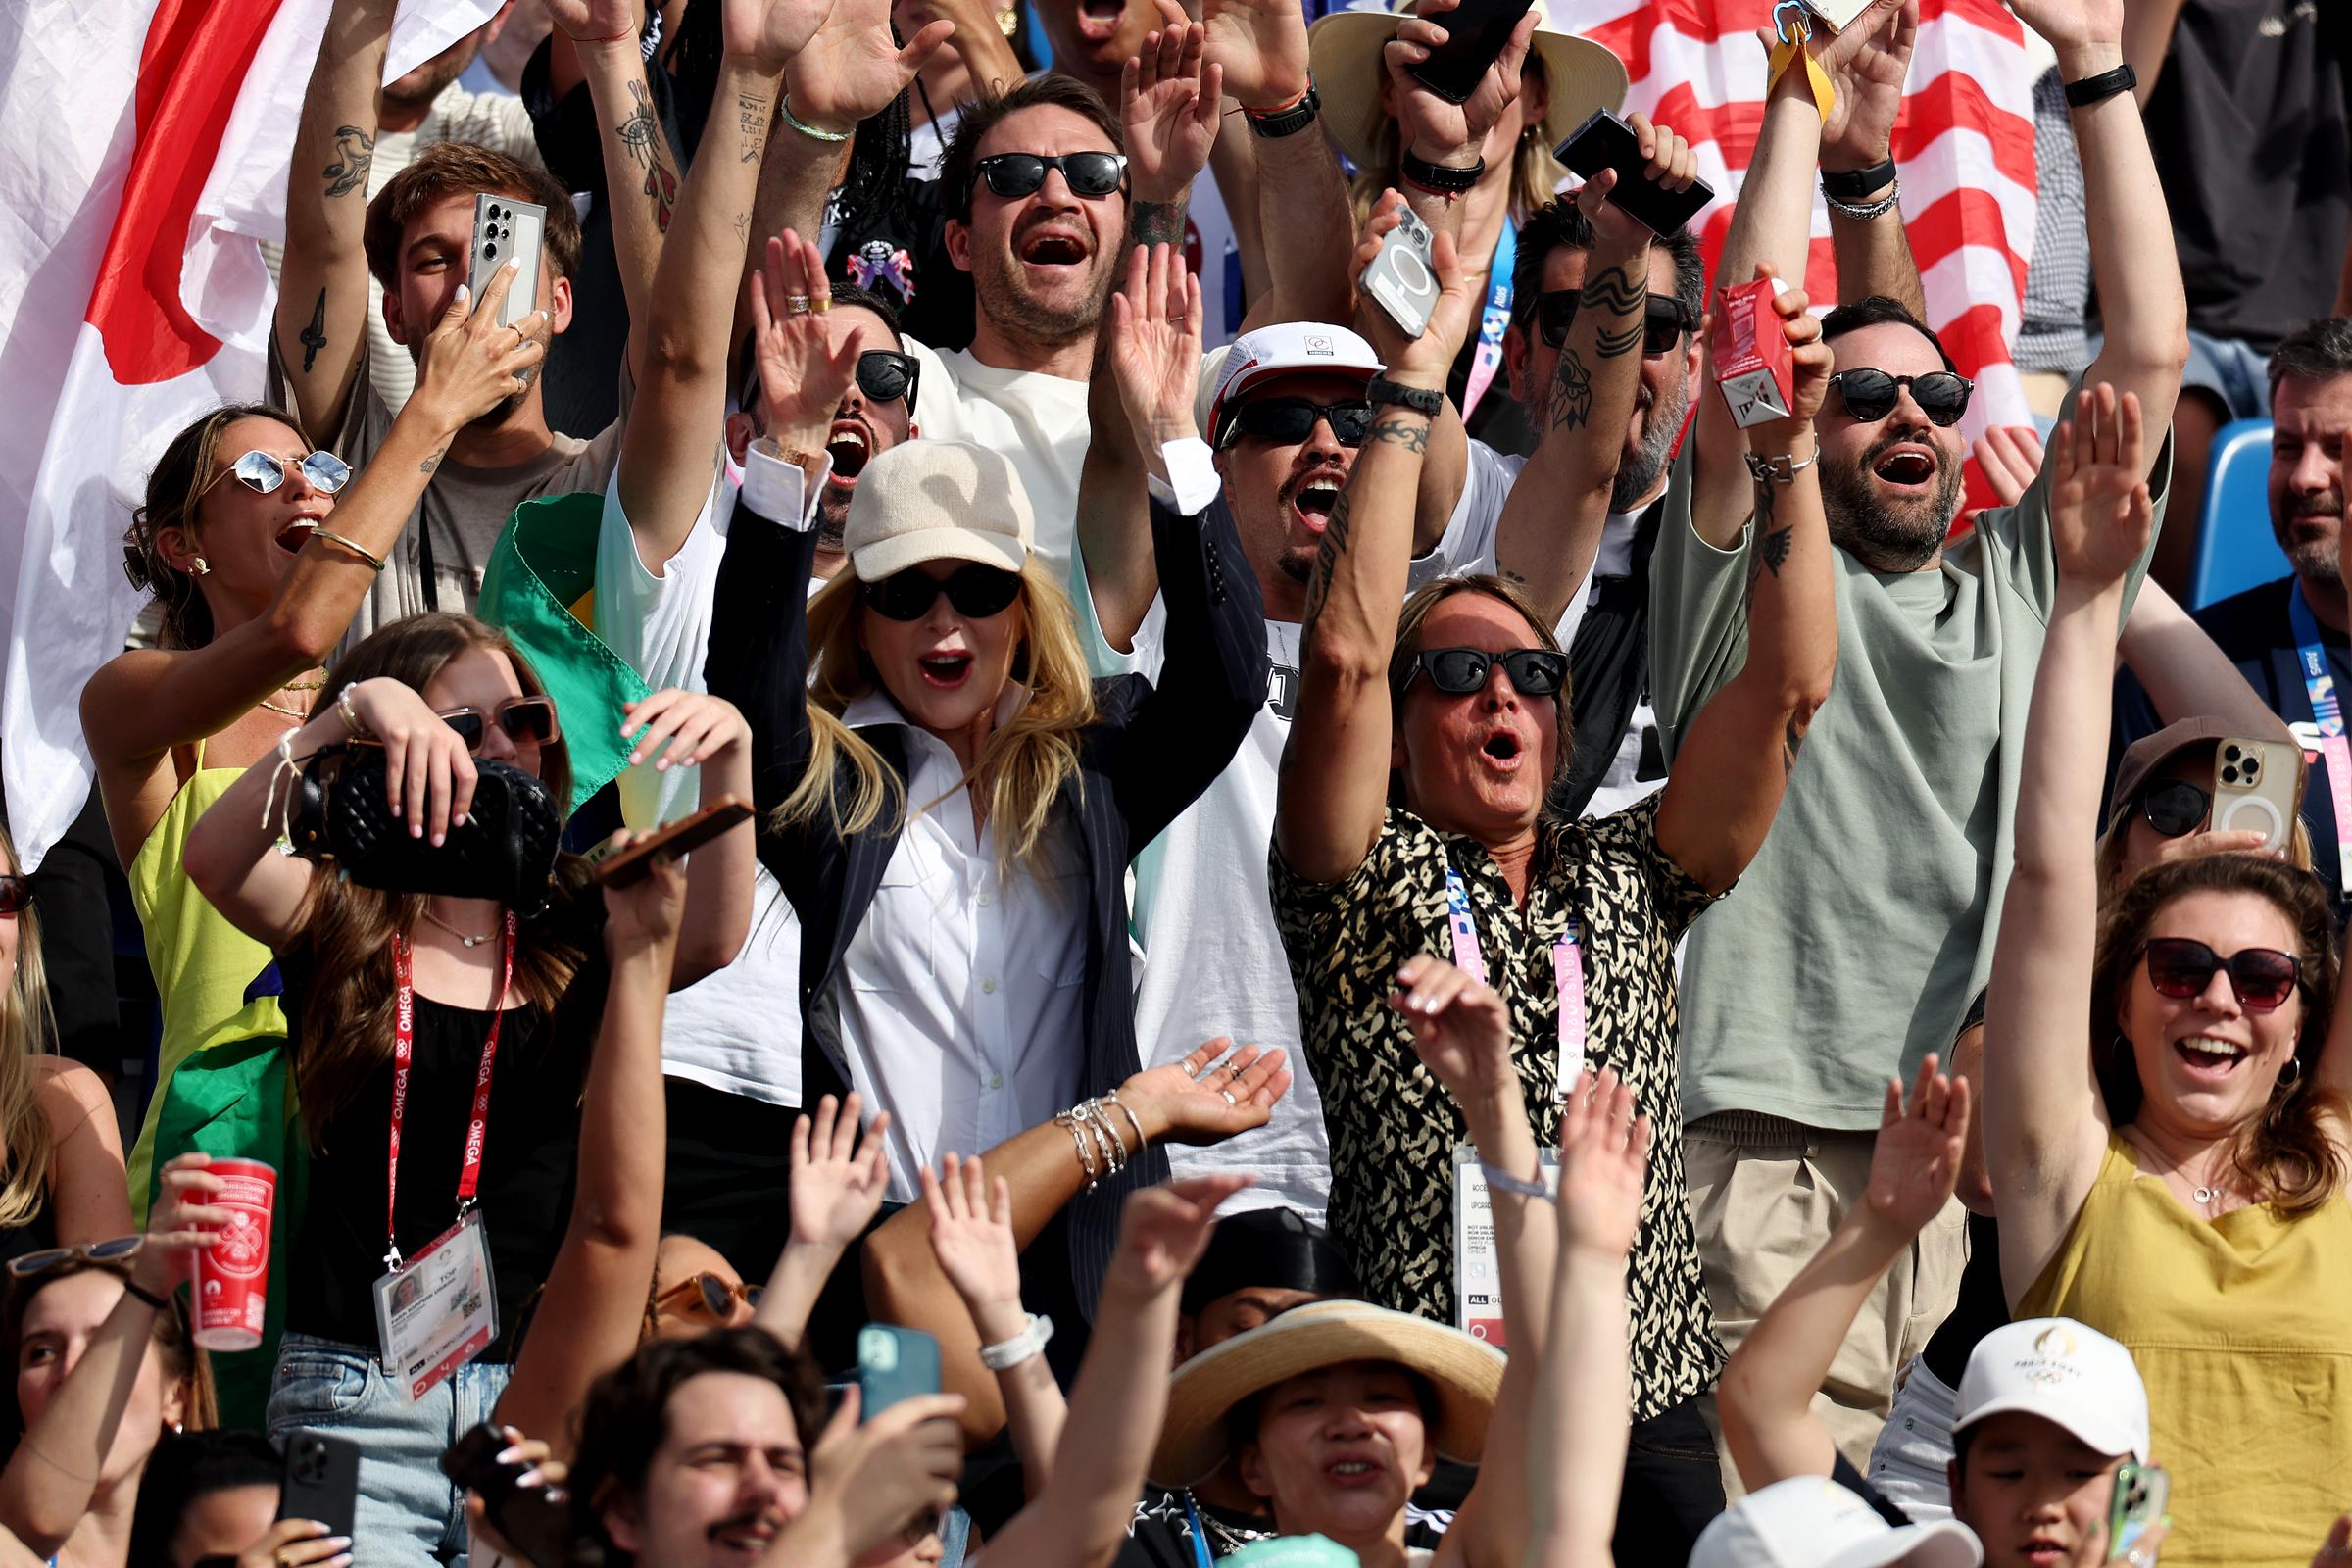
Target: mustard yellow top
[[202, 964], [2243, 1329]]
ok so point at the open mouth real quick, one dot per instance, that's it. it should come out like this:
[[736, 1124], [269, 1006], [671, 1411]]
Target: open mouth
[[1502, 750], [850, 451], [947, 671], [1314, 504], [1909, 467], [1098, 20], [2207, 1056], [1054, 247], [1353, 1472], [296, 534], [751, 1535]]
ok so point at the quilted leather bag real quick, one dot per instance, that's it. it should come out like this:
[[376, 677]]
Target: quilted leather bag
[[506, 850]]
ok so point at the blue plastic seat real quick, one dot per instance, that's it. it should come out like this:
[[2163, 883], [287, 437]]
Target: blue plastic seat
[[2237, 549]]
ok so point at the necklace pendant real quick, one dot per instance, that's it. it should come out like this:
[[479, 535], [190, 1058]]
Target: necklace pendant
[[2206, 1195], [472, 942]]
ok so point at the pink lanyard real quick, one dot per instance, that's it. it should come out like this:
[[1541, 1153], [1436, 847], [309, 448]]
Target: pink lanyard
[[404, 1055], [1567, 969]]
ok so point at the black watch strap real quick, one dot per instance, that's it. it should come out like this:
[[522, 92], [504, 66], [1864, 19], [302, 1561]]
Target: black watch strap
[[1421, 399], [2101, 87], [1280, 123], [1856, 184], [1439, 178]]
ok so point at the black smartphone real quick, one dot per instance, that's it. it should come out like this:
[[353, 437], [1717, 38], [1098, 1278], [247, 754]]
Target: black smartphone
[[1606, 141], [1476, 33], [530, 1520], [322, 1480]]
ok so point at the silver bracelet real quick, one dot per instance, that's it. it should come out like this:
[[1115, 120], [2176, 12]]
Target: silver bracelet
[[1779, 469], [1141, 1142], [1502, 1181], [1005, 1354], [351, 714], [1863, 213], [1085, 1154]]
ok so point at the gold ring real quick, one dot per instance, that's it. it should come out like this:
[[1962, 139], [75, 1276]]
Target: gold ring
[[820, 303]]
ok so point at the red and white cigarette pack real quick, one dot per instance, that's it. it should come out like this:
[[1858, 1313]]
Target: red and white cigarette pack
[[1753, 365]]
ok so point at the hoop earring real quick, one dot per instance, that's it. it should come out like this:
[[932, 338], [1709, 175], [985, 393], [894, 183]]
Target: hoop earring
[[2286, 1081], [198, 566]]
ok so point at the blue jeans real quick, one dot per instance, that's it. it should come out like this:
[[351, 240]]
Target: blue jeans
[[409, 1513], [2236, 376]]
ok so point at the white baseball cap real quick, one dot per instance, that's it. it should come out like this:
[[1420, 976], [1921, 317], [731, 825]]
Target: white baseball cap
[[937, 501], [1288, 348], [2065, 1372], [1813, 1522]]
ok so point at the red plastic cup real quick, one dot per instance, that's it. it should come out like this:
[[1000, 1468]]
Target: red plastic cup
[[232, 1275]]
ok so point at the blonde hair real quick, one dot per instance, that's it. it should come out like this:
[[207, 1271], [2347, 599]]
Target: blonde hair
[[1024, 765], [28, 1029], [1536, 175]]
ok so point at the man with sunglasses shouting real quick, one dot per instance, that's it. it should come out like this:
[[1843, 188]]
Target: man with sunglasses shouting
[[1854, 944]]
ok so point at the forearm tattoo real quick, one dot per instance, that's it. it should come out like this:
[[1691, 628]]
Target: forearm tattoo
[[1571, 392], [1772, 542], [1155, 223], [313, 337], [355, 155], [641, 133], [750, 121], [1615, 293], [1411, 434]]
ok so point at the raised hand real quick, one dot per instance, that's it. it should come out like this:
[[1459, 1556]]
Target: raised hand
[[1169, 104], [875, 1478], [852, 67], [645, 912], [971, 1234], [804, 375], [1203, 1100], [679, 728], [769, 33], [1427, 359], [471, 364], [2070, 24], [1461, 1030], [594, 21], [1603, 1149], [1916, 1162], [1867, 61], [1261, 48], [2009, 456], [1670, 165], [1164, 1229], [1811, 364], [838, 1182], [1155, 346], [179, 1221], [2100, 511], [1434, 128], [428, 775]]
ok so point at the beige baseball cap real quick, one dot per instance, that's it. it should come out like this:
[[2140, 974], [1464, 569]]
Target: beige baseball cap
[[937, 501]]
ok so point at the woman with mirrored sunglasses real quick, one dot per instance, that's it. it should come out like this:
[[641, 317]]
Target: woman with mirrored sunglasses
[[2163, 1076]]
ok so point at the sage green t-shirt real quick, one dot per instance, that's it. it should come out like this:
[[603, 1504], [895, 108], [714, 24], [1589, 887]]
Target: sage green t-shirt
[[1851, 945]]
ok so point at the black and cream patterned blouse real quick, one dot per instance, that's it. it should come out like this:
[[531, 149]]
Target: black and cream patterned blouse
[[1394, 1128]]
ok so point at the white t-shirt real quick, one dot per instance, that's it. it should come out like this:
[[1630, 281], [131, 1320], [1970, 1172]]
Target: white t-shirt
[[1038, 422]]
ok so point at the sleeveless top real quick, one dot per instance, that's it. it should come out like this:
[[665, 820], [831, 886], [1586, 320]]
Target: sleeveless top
[[202, 964], [2242, 1330]]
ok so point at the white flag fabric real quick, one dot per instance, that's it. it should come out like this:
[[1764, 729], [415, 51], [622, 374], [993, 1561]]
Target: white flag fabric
[[143, 158]]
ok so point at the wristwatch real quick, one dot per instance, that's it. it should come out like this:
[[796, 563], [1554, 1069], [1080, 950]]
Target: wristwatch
[[1441, 180], [2101, 87], [1855, 185], [1421, 399], [1275, 124]]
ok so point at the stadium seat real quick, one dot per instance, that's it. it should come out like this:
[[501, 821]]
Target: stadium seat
[[2237, 549]]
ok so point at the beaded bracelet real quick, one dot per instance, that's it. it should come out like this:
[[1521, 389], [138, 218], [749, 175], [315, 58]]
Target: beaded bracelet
[[806, 129]]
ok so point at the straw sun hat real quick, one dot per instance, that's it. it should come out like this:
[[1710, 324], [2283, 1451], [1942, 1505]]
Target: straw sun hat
[[1344, 50], [1466, 1374]]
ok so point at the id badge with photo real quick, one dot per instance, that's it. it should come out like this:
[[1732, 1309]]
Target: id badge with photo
[[1477, 1268], [438, 1310]]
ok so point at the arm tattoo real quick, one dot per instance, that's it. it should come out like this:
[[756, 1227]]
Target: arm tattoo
[[1327, 560], [432, 461], [355, 155], [1616, 345], [1155, 223], [313, 337], [641, 133], [751, 119], [1411, 434], [1771, 544], [1614, 293], [1571, 392]]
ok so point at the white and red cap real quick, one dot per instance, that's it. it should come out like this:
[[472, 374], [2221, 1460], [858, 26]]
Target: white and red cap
[[2065, 1372], [1288, 348]]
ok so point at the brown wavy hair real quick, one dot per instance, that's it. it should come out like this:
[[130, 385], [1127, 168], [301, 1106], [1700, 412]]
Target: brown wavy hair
[[172, 487], [346, 1026], [448, 169], [1428, 597], [184, 1361], [2288, 1154]]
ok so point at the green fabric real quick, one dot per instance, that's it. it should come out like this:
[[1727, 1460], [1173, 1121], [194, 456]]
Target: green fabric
[[543, 565], [232, 1096], [1292, 1551]]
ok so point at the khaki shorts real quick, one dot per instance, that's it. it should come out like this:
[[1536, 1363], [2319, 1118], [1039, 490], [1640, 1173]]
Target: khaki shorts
[[1766, 1194]]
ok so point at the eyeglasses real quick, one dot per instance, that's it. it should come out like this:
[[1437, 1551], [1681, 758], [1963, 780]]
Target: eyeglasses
[[707, 1295], [2175, 807], [263, 472], [1869, 395], [1664, 320], [1459, 671], [886, 377], [1287, 421], [16, 896], [2263, 977], [976, 590], [524, 718], [1013, 175], [50, 1259]]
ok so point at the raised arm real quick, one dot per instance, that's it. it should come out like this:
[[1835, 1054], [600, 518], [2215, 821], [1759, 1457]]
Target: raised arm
[[1867, 64], [2184, 674], [1301, 195], [89, 1198], [971, 1236], [837, 1188], [641, 174], [1742, 745], [2045, 1122], [1333, 789], [849, 69], [1766, 1395]]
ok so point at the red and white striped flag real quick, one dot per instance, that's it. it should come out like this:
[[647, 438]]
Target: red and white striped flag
[[143, 156]]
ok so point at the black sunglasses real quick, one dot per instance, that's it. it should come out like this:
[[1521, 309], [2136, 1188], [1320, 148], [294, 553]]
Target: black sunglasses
[[2263, 977], [976, 590], [1869, 395], [16, 895], [1664, 320], [886, 377], [1287, 421], [524, 718], [1013, 175], [2175, 807], [1459, 671]]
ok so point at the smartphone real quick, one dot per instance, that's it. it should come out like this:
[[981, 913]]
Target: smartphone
[[1475, 34], [687, 833], [894, 1365], [505, 230], [1606, 141], [530, 1520], [2255, 785], [1399, 280], [322, 1480], [2141, 1491]]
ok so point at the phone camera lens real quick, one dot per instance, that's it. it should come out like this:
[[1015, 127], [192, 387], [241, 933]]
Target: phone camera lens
[[2232, 753], [2229, 775], [490, 248]]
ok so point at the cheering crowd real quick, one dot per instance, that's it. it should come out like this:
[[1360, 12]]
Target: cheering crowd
[[1233, 919]]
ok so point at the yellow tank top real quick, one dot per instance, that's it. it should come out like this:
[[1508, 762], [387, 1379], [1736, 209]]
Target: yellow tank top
[[202, 964], [2243, 1329]]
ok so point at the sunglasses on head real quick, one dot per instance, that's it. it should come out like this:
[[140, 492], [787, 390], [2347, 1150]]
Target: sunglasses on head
[[1459, 671], [885, 376], [1664, 320], [708, 1295], [1287, 421], [51, 1258], [2263, 977], [524, 718], [976, 590], [16, 896], [2174, 807], [1014, 174], [263, 472], [1869, 395]]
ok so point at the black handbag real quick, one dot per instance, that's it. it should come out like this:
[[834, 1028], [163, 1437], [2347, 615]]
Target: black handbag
[[505, 851]]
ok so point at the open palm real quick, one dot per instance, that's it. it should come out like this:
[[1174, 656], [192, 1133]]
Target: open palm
[[2100, 511], [1916, 1161], [1868, 61], [852, 69], [1168, 108], [1192, 1101], [1261, 48], [1156, 344], [1164, 1229], [838, 1181], [971, 1232], [769, 32]]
